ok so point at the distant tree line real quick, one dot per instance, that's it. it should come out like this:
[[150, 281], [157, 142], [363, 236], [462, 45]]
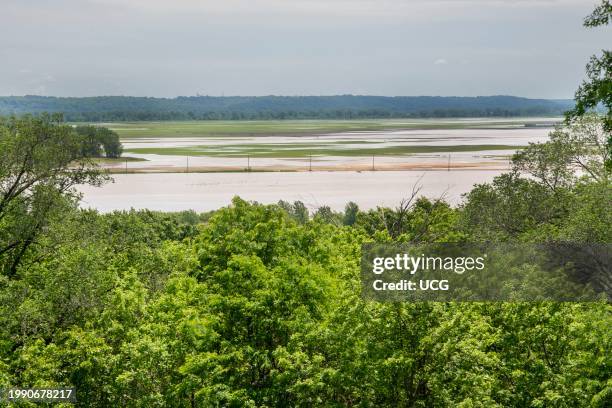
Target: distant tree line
[[123, 108]]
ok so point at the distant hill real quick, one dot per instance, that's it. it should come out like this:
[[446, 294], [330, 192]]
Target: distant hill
[[129, 108]]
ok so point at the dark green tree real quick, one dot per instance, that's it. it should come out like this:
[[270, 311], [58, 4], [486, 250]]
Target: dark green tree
[[91, 146], [41, 162], [99, 140], [350, 213], [597, 88], [110, 143]]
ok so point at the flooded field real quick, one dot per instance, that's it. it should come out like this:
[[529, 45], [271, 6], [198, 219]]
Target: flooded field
[[373, 168], [365, 150]]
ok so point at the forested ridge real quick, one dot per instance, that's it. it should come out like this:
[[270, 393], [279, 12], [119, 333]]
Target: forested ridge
[[126, 108]]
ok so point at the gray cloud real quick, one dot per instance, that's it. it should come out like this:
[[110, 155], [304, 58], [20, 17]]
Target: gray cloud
[[533, 48]]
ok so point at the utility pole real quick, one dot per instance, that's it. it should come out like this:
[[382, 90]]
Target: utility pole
[[126, 166], [248, 162], [187, 169], [448, 167], [373, 168], [310, 163]]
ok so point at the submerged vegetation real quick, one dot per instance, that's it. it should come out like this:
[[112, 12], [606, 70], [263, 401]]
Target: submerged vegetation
[[227, 129], [294, 150]]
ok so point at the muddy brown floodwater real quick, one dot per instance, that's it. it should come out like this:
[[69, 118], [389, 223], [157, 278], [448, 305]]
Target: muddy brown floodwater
[[162, 182], [209, 191]]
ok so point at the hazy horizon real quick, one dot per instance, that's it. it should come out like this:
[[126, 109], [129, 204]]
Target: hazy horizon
[[284, 96], [535, 49]]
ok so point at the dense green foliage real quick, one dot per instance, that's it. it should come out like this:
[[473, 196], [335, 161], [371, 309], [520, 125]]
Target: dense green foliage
[[99, 141], [122, 108], [41, 160], [259, 305]]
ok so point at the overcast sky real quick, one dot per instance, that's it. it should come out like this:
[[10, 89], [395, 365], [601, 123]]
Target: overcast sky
[[533, 48]]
